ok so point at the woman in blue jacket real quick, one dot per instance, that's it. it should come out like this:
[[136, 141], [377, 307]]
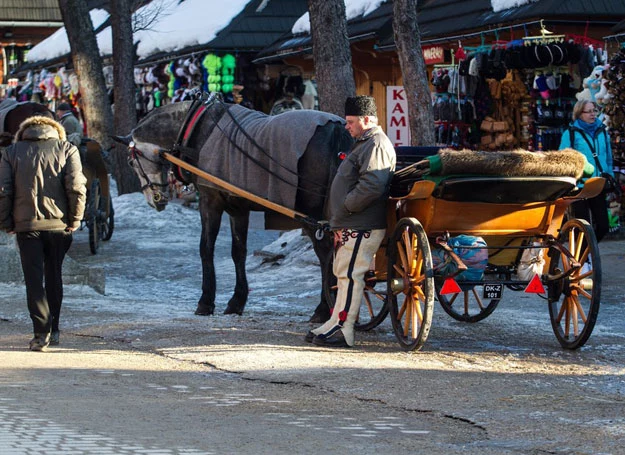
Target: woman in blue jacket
[[588, 135]]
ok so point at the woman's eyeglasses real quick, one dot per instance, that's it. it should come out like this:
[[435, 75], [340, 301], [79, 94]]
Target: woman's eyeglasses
[[591, 112]]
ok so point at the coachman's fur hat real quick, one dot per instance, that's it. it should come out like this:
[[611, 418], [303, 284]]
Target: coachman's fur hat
[[361, 106]]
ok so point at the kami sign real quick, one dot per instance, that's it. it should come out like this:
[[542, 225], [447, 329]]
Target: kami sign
[[397, 126]]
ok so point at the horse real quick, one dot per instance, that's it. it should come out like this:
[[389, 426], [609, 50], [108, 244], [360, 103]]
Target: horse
[[311, 177], [14, 113]]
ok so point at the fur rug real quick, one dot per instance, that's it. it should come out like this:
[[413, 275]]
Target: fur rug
[[517, 163]]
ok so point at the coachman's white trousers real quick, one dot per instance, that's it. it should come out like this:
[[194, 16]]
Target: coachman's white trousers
[[354, 251]]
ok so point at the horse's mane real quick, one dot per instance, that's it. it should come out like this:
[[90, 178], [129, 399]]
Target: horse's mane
[[161, 125]]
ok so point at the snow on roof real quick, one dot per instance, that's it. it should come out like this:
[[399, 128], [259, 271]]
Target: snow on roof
[[500, 5], [57, 44], [353, 8], [177, 26]]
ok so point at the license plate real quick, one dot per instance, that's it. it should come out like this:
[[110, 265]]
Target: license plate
[[493, 291]]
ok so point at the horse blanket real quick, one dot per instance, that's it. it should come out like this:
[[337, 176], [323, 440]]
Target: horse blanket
[[270, 169]]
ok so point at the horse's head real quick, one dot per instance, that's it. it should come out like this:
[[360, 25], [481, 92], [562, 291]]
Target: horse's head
[[151, 168], [155, 133]]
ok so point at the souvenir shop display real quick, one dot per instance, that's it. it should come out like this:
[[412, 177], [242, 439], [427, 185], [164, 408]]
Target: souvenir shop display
[[517, 93]]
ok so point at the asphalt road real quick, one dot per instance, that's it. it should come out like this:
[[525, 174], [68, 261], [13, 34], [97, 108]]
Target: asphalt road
[[251, 385]]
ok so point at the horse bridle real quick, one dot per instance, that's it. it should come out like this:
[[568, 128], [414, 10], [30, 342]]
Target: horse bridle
[[135, 153]]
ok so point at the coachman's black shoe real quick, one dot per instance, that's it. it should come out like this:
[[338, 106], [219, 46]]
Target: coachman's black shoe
[[309, 336], [40, 342], [335, 341]]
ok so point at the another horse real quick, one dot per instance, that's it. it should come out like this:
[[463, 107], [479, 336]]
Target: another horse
[[215, 135], [14, 113]]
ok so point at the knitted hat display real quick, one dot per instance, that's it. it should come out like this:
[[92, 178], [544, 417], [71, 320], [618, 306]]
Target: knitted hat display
[[212, 64], [228, 64], [172, 80], [361, 106]]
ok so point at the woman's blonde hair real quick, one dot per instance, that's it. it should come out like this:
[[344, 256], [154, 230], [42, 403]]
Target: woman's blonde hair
[[579, 107]]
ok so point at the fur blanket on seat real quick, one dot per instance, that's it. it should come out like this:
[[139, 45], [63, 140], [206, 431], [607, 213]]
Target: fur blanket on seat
[[517, 163]]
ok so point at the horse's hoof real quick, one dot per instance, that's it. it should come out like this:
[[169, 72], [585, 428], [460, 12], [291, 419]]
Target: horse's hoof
[[204, 311], [233, 311], [318, 318]]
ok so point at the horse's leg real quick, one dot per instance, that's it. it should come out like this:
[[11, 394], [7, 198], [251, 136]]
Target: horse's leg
[[210, 215], [239, 224], [323, 250]]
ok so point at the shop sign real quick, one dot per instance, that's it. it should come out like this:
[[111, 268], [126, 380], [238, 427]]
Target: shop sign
[[397, 125], [433, 54]]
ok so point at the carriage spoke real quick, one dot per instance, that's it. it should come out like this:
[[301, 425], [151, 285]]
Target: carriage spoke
[[399, 270], [403, 259], [402, 310], [580, 310], [408, 313], [368, 304], [585, 275], [561, 312], [584, 293], [478, 299], [415, 318], [408, 242], [417, 301], [574, 318], [572, 242], [567, 317], [580, 243], [419, 291]]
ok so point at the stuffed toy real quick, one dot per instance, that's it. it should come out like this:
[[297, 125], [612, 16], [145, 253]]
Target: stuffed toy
[[592, 85], [603, 96]]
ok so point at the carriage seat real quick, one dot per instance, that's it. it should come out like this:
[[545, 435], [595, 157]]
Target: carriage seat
[[503, 190]]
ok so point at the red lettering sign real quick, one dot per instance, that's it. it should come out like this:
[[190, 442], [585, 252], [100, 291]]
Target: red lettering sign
[[433, 54]]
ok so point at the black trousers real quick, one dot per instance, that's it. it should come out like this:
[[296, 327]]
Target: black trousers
[[42, 254], [595, 211]]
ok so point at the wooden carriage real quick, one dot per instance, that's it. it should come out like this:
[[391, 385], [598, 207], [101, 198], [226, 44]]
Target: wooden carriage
[[511, 214]]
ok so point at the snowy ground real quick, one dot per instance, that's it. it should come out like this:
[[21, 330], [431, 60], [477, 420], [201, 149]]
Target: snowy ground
[[153, 268]]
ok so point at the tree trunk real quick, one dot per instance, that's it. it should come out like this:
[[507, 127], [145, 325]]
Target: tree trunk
[[125, 113], [88, 67], [332, 54], [408, 43]]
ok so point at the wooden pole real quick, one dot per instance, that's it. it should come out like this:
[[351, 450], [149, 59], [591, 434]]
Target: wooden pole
[[239, 191]]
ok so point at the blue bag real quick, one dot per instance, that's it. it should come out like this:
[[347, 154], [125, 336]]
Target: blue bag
[[475, 258]]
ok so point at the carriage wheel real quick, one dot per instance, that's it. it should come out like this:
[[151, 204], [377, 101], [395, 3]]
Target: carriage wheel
[[109, 223], [373, 309], [470, 307], [410, 284], [574, 300], [93, 209]]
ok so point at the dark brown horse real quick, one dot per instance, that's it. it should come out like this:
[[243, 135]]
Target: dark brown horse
[[15, 114]]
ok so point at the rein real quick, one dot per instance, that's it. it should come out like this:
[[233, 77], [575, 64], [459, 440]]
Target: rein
[[134, 154]]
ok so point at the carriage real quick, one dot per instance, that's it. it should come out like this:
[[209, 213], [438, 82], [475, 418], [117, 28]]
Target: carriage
[[513, 205], [99, 213], [511, 216]]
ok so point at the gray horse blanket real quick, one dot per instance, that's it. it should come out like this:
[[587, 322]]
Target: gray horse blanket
[[281, 141]]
